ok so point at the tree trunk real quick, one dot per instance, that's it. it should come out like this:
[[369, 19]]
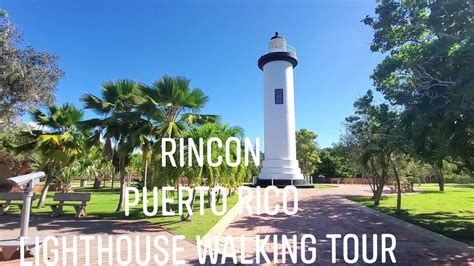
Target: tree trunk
[[187, 218], [145, 178], [96, 183], [122, 182], [44, 191], [168, 206], [470, 168], [176, 184], [441, 182], [209, 198], [218, 197], [378, 195], [371, 182], [151, 171], [438, 167], [399, 189]]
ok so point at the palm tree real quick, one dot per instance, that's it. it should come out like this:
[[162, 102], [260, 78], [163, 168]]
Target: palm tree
[[171, 107], [66, 176], [228, 176], [89, 163], [214, 175], [59, 141], [119, 122], [174, 105]]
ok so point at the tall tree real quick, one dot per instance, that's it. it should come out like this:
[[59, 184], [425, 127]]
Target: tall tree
[[429, 72], [119, 122], [59, 141], [223, 174], [333, 165], [307, 151], [374, 129], [171, 107], [174, 106], [27, 77]]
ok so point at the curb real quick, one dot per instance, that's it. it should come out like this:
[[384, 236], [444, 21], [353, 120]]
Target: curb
[[219, 228]]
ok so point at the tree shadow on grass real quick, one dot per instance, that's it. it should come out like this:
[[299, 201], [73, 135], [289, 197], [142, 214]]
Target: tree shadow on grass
[[99, 190], [70, 225], [446, 223], [450, 224], [443, 192]]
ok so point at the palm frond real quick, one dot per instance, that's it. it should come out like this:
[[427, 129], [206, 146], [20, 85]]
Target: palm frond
[[96, 104]]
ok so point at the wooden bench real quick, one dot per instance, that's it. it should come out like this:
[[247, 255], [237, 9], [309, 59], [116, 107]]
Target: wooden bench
[[77, 200], [406, 186], [11, 198]]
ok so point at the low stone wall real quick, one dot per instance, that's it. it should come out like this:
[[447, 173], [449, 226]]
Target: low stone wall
[[342, 180]]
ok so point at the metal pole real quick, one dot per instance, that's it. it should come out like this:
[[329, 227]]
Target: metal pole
[[25, 211], [146, 172]]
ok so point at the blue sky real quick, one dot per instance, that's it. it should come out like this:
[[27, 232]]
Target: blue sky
[[214, 43]]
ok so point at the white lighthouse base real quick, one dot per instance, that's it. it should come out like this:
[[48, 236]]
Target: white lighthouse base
[[281, 173], [281, 169]]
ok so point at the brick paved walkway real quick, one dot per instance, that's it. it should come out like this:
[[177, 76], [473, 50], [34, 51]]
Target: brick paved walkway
[[321, 211], [324, 211], [45, 226]]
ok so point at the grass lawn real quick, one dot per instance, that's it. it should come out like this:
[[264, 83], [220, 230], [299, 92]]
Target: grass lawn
[[104, 202], [324, 186], [450, 213]]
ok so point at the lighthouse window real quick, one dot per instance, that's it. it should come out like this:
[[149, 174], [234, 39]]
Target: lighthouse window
[[278, 96]]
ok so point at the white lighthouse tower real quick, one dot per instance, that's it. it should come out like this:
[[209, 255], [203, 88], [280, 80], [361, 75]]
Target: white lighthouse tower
[[280, 166]]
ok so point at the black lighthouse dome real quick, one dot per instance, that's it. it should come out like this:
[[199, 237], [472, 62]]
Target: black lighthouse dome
[[277, 36], [278, 50]]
